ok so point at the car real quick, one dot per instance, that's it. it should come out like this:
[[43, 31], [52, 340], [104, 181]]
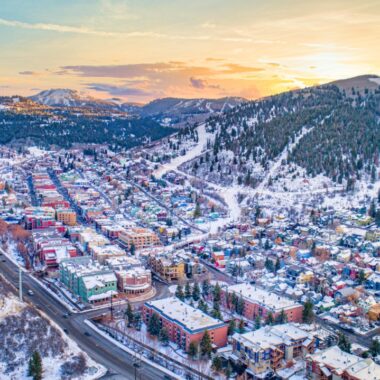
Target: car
[[87, 333], [66, 331], [4, 261], [30, 292]]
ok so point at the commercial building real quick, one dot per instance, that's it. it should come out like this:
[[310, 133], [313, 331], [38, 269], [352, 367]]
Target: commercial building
[[139, 238], [184, 323], [259, 303]]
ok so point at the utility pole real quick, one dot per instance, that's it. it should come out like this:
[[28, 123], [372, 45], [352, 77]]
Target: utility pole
[[111, 307], [20, 284]]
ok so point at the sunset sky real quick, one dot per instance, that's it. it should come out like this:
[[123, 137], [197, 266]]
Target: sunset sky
[[139, 50]]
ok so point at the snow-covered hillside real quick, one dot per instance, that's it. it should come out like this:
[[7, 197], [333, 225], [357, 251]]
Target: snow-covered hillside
[[24, 330]]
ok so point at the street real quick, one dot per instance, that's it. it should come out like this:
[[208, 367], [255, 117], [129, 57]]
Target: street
[[118, 362]]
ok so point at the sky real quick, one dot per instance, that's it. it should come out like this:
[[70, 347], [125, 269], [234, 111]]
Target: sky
[[139, 50]]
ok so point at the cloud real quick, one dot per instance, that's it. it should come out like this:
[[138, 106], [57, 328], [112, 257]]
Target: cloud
[[28, 72], [75, 29], [201, 84], [198, 83], [118, 90]]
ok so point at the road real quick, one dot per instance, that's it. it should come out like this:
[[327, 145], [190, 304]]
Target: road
[[118, 362]]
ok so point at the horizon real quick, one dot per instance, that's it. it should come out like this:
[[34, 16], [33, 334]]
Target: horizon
[[206, 49]]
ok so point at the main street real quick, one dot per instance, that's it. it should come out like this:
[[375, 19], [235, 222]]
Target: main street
[[118, 362]]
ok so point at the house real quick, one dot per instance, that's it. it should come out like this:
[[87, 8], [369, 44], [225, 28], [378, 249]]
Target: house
[[333, 363], [270, 348], [184, 323]]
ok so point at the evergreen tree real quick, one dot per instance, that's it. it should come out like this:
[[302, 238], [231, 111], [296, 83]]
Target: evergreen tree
[[132, 249], [179, 293], [129, 314], [281, 318], [343, 342], [217, 364], [375, 347], [206, 344], [187, 290], [217, 292], [257, 322], [269, 319], [240, 306], [277, 265], [307, 312], [372, 209], [202, 306], [163, 336], [231, 327], [241, 326], [205, 288], [197, 211], [196, 292], [35, 366], [193, 349], [154, 325]]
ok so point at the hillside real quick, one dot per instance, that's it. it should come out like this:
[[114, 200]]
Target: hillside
[[23, 119], [315, 138], [177, 111], [21, 330]]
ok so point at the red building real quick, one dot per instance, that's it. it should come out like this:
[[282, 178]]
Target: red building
[[259, 302], [184, 323]]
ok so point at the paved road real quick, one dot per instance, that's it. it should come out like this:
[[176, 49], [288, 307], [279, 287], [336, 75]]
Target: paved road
[[118, 362]]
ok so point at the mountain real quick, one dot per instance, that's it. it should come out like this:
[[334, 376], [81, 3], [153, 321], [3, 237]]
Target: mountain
[[167, 111], [179, 111], [24, 119], [330, 131], [72, 98]]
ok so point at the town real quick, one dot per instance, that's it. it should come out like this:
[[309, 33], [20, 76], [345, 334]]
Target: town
[[165, 265]]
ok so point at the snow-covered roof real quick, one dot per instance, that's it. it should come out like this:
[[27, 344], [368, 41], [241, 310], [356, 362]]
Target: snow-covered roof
[[257, 295], [190, 318]]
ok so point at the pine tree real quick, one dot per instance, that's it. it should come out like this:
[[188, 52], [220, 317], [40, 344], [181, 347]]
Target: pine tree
[[205, 287], [193, 349], [343, 342], [257, 322], [375, 347], [281, 318], [307, 312], [217, 364], [163, 336], [277, 265], [187, 290], [132, 249], [372, 209], [241, 326], [197, 211], [154, 325], [196, 292], [240, 306], [202, 306], [35, 366], [231, 327], [179, 293], [217, 292], [206, 344], [129, 314], [269, 319]]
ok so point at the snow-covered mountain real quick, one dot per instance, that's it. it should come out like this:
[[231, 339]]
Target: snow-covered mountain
[[63, 97], [179, 111]]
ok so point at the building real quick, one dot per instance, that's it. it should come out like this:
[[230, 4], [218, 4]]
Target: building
[[184, 323], [139, 238], [270, 348], [67, 216], [39, 217], [259, 303], [88, 280], [103, 252], [333, 363], [167, 267]]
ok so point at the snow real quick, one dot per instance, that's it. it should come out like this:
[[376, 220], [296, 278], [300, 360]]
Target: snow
[[12, 306], [375, 80]]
